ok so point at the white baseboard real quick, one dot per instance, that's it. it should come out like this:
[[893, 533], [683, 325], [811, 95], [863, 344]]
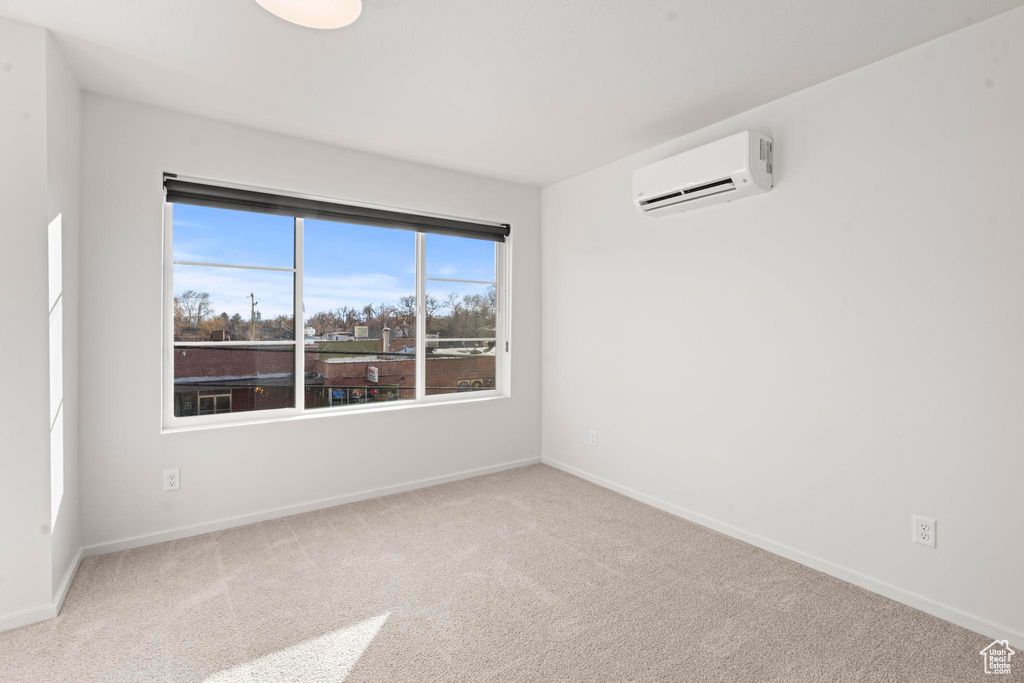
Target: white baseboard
[[65, 585], [50, 611], [242, 520], [32, 616], [936, 609]]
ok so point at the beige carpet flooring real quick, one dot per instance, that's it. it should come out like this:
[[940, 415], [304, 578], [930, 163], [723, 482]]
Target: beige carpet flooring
[[525, 575]]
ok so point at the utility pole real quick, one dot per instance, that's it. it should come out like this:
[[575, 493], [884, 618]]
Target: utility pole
[[252, 316]]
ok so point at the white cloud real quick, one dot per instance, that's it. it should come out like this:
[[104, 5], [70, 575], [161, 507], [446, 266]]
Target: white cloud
[[354, 291], [229, 289]]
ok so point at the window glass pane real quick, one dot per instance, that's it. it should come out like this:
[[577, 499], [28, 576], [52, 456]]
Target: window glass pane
[[360, 322], [210, 380], [237, 238], [454, 367], [460, 309], [461, 337], [214, 304], [459, 258]]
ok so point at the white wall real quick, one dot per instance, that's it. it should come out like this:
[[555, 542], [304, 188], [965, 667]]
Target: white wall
[[39, 136], [63, 122], [250, 469], [24, 461], [808, 368]]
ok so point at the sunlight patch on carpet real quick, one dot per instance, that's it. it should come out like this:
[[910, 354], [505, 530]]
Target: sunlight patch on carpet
[[329, 657]]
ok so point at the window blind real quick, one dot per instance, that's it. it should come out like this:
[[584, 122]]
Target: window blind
[[201, 194]]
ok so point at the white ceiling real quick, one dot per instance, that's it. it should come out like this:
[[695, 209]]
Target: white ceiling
[[533, 91]]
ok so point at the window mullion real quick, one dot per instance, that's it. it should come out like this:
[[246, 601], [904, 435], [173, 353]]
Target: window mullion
[[503, 316], [300, 322], [206, 264], [168, 285], [421, 317]]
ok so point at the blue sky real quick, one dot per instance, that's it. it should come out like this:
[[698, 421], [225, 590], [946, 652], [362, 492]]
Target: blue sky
[[345, 265]]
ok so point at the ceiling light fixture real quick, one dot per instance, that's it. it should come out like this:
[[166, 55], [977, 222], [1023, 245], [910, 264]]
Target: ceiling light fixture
[[315, 13]]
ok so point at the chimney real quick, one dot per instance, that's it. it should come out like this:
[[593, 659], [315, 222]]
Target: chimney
[[385, 340]]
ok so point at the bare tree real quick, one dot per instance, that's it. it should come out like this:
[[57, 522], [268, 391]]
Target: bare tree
[[204, 308], [432, 305], [405, 314], [195, 307], [452, 303], [187, 300], [384, 314]]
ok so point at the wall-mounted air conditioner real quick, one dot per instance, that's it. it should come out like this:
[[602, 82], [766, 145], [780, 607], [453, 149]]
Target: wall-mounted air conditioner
[[721, 171]]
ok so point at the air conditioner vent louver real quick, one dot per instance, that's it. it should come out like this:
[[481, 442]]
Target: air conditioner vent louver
[[708, 186], [655, 200], [730, 168], [689, 194]]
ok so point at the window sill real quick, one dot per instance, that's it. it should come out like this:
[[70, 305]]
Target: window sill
[[478, 397]]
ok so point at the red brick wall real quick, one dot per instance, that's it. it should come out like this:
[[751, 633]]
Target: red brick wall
[[232, 362], [446, 373], [443, 374]]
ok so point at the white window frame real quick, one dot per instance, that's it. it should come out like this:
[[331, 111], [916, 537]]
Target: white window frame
[[421, 315], [503, 346]]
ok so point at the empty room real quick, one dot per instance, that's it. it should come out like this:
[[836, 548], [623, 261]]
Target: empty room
[[476, 340]]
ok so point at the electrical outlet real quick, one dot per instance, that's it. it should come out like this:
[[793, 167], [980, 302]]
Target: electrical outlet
[[924, 531], [592, 440], [172, 480]]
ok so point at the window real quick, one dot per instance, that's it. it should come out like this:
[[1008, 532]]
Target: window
[[211, 404], [392, 307], [359, 284], [461, 309], [232, 311]]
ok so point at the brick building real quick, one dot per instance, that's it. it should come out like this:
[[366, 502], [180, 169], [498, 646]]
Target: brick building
[[211, 379]]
